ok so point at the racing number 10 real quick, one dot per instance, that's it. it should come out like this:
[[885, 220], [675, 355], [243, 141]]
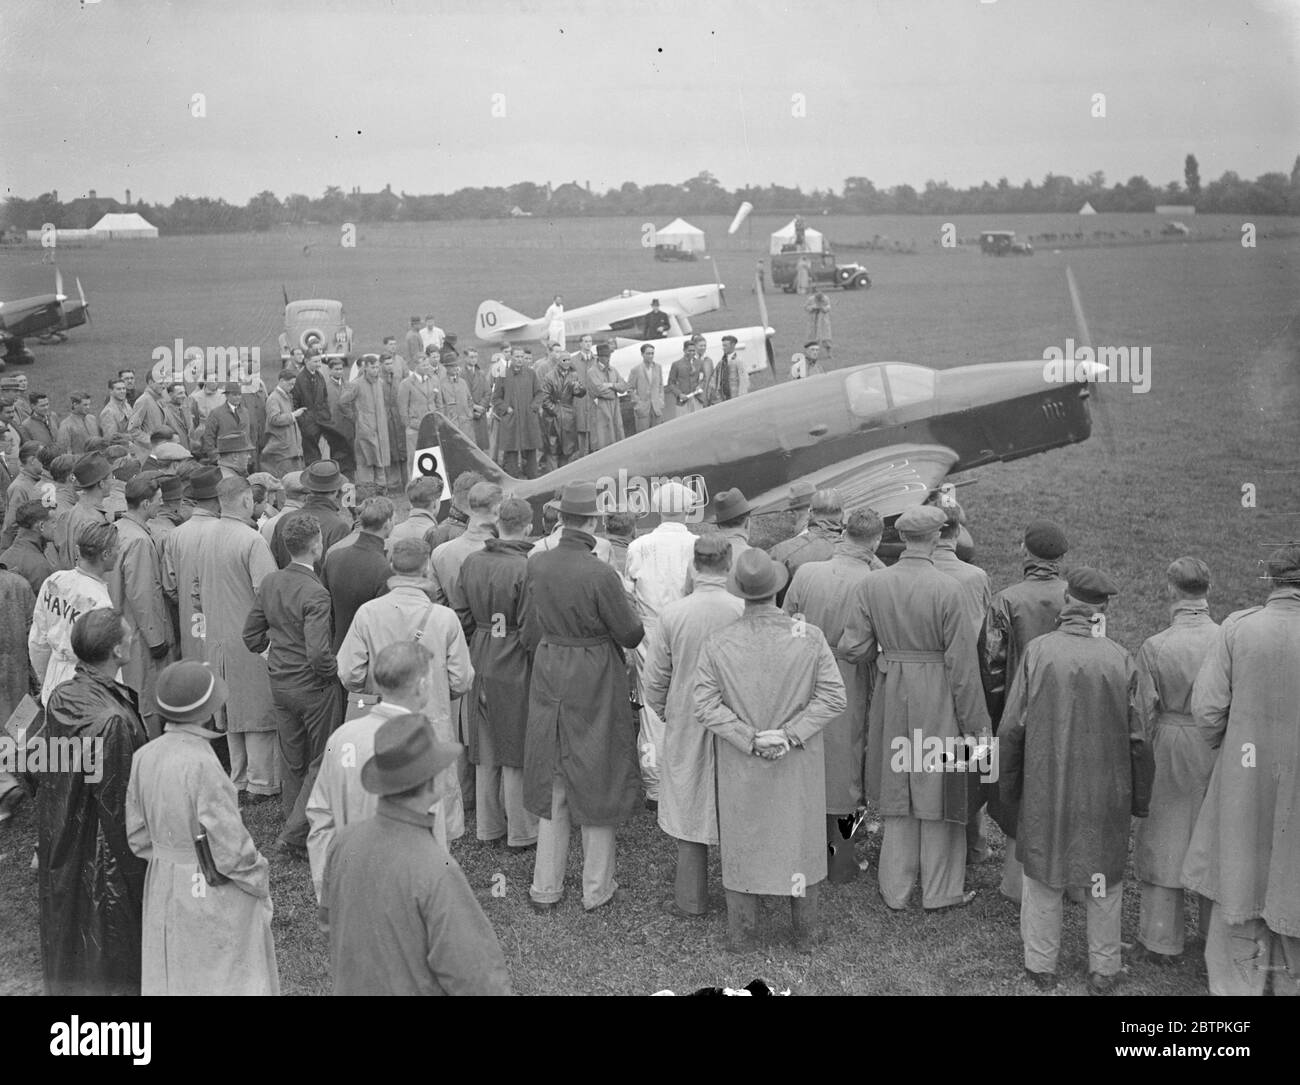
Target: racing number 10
[[487, 319]]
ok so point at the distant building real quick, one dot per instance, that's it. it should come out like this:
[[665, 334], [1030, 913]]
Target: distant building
[[130, 226], [1087, 209], [1175, 209]]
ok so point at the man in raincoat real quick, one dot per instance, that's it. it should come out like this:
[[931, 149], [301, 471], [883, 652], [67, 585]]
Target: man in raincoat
[[1245, 850], [1071, 716], [821, 593], [563, 390], [364, 402], [766, 686], [91, 885], [688, 806], [926, 703], [606, 389], [516, 400], [1167, 664], [580, 762]]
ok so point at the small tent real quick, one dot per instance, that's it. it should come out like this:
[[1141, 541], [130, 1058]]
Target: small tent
[[132, 225], [681, 235], [812, 239], [1087, 209]]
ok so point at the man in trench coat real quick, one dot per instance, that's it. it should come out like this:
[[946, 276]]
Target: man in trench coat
[[516, 400], [580, 760]]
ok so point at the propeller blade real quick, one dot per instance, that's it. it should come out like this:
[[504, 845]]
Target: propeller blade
[[1097, 372], [85, 306], [58, 285], [762, 300], [722, 292]]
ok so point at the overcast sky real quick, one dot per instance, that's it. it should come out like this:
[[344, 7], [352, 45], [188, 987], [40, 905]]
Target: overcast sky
[[301, 94]]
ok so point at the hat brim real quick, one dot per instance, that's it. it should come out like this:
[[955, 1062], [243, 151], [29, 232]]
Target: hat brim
[[781, 577], [200, 713], [441, 755], [94, 481], [579, 510], [313, 486], [731, 514]]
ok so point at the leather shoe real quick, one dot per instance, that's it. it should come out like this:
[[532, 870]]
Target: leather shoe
[[966, 898], [1143, 955], [293, 852], [542, 907], [669, 906], [1044, 981], [1103, 985]]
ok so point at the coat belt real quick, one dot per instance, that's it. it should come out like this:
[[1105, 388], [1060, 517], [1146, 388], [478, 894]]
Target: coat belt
[[900, 655], [574, 642], [176, 855], [1176, 719]]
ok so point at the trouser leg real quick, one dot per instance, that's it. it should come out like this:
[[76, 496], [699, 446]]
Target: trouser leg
[[530, 463], [412, 445], [262, 761], [841, 863], [316, 715], [1103, 918], [977, 841], [1041, 908], [598, 860], [943, 863], [1236, 955], [510, 464], [521, 825], [691, 883], [552, 849], [490, 818], [900, 859], [1012, 873], [238, 760], [650, 741], [742, 920], [804, 913], [1161, 919]]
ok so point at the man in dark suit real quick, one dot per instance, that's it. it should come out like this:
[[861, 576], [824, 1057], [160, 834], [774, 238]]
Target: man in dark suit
[[291, 615], [309, 391], [358, 571], [226, 419]]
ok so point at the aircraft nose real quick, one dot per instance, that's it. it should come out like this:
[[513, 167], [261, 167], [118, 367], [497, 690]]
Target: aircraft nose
[[995, 382]]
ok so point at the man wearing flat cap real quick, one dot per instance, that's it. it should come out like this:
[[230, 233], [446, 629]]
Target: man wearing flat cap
[[207, 927], [1245, 849], [93, 474], [765, 687], [580, 758], [1071, 715], [688, 808], [401, 918], [822, 592], [171, 513], [825, 525], [927, 690], [1016, 615]]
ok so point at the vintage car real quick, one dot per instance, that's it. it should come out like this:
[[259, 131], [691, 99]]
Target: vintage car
[[823, 271], [318, 323], [674, 252], [1004, 243]]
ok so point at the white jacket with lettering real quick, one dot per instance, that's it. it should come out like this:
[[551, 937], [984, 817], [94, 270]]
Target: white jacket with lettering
[[65, 596]]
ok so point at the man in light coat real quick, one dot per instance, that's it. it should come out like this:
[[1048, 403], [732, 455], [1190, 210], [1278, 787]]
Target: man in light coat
[[646, 382], [420, 393], [282, 452], [1245, 850], [688, 809], [1167, 665], [364, 403], [516, 401], [821, 593], [926, 688], [606, 389], [766, 687], [1071, 715]]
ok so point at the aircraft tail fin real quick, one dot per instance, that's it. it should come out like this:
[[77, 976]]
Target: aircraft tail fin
[[494, 319], [460, 454]]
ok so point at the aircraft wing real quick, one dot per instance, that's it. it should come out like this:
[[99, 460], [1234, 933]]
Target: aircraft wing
[[890, 480]]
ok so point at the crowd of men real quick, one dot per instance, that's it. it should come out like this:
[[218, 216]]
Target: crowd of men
[[232, 638]]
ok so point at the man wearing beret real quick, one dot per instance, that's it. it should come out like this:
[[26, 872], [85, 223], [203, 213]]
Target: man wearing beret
[[765, 687], [1071, 715], [927, 690], [1016, 615], [580, 761], [1245, 850]]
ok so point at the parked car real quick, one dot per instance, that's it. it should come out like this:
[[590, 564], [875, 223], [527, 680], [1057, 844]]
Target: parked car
[[316, 323], [1004, 243], [673, 252], [823, 271]]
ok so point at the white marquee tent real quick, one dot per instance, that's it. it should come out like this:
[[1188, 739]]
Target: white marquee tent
[[1087, 209], [130, 225], [680, 234], [812, 239]]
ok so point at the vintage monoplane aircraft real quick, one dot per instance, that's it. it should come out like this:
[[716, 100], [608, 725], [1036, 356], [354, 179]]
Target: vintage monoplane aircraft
[[46, 316], [624, 314], [754, 345]]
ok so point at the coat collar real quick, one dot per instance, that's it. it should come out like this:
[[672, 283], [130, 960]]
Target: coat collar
[[1078, 619], [572, 538], [509, 546], [1042, 569], [847, 548], [367, 541], [387, 808], [1187, 611], [1283, 596]]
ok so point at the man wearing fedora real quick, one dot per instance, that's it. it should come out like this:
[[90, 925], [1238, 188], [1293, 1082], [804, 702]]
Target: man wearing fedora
[[765, 686], [401, 917], [226, 419], [730, 513], [234, 455], [232, 561], [822, 592], [290, 620], [94, 475], [926, 688], [135, 584], [688, 808], [1071, 714], [91, 885], [580, 759], [322, 482], [64, 597], [206, 931]]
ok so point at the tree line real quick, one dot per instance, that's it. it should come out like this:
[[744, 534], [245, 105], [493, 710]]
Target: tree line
[[1269, 194]]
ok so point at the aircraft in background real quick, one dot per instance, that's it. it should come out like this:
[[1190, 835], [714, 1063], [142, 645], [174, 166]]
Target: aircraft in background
[[624, 314], [45, 316]]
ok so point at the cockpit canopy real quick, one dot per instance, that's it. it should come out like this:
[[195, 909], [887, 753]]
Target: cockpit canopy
[[876, 388]]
